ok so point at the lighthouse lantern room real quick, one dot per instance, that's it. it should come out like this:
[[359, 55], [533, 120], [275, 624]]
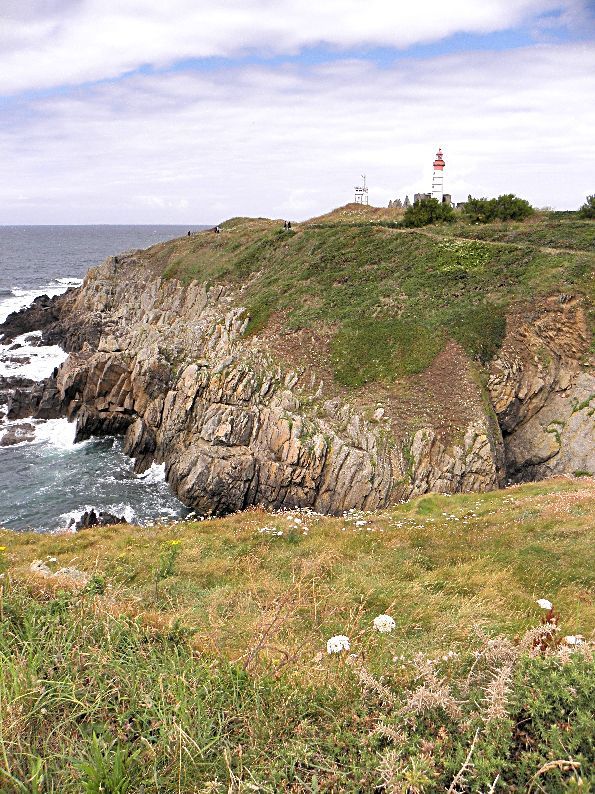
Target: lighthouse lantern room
[[438, 177]]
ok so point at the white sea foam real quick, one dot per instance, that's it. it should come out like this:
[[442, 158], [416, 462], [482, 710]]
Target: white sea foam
[[30, 361], [69, 519], [70, 281], [21, 298], [56, 433], [154, 474]]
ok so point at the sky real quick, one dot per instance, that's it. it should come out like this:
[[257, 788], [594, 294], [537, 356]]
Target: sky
[[186, 111]]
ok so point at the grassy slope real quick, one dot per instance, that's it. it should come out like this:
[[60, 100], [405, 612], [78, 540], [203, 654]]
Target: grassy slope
[[390, 297], [219, 669]]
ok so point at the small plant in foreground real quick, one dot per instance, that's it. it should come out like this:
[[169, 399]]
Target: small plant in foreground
[[167, 562], [108, 768]]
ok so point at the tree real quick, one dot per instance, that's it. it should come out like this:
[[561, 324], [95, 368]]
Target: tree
[[587, 210], [426, 211]]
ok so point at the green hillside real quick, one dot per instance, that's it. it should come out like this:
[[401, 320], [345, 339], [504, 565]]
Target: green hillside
[[369, 287]]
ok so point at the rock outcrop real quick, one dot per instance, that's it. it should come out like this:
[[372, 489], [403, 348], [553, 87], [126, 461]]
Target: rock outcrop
[[170, 367], [543, 392]]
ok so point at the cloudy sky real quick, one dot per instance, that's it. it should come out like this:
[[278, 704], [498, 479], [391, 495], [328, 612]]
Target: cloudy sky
[[187, 111]]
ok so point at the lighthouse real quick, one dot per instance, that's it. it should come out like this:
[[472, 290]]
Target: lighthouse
[[438, 177]]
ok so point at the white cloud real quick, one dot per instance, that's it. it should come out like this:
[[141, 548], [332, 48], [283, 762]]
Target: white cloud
[[196, 147], [48, 43]]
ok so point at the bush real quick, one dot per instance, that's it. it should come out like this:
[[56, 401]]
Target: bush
[[427, 211], [587, 210], [504, 208]]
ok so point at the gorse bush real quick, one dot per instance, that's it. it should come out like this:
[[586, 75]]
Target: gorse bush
[[587, 209], [504, 208], [427, 211]]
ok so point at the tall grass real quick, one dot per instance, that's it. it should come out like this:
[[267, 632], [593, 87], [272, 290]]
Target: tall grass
[[92, 702], [195, 658]]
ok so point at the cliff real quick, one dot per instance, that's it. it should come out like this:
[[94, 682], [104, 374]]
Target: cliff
[[346, 364]]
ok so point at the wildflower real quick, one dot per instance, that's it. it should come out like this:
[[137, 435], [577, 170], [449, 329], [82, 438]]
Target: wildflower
[[175, 542], [384, 624], [2, 548], [544, 603], [52, 559], [574, 639], [338, 644]]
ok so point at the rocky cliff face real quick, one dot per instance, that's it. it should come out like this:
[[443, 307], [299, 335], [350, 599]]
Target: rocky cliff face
[[171, 368], [543, 391]]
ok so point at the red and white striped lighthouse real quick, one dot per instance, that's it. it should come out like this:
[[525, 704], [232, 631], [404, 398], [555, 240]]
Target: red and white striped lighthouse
[[438, 177]]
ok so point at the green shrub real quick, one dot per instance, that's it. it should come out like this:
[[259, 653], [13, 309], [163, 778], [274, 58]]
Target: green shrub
[[587, 210], [427, 211], [480, 330], [507, 207]]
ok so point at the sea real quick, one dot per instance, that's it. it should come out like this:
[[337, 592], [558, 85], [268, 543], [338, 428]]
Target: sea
[[48, 482]]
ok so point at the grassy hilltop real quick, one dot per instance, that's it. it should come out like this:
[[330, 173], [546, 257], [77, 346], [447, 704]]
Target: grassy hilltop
[[367, 287], [194, 658]]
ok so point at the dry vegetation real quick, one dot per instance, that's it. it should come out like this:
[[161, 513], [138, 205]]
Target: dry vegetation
[[194, 659]]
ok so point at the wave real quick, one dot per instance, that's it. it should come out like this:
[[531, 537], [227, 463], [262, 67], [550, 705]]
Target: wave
[[66, 521], [70, 281], [56, 433], [154, 474], [18, 298], [35, 362]]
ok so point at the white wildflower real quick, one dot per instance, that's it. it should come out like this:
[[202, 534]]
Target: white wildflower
[[574, 639], [544, 603], [384, 624], [338, 644]]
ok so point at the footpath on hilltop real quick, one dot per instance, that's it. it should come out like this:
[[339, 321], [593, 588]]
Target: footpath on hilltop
[[345, 363]]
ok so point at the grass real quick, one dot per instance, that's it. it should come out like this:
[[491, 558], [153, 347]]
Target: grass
[[195, 659], [385, 289]]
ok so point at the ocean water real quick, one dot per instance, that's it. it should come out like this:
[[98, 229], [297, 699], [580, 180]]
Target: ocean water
[[48, 480]]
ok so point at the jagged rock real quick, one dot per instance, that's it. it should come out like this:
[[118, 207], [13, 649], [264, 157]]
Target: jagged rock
[[168, 366], [90, 518], [72, 576], [43, 312], [34, 398], [543, 397], [40, 568], [18, 434], [65, 576]]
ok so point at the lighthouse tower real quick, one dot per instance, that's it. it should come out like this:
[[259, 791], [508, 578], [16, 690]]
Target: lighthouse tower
[[438, 177]]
